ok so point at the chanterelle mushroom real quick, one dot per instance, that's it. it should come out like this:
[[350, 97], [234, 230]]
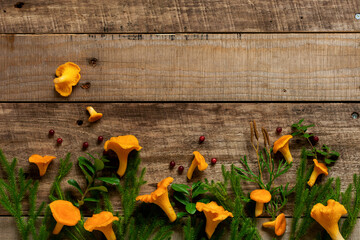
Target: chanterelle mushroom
[[199, 162], [319, 168], [279, 224], [282, 145], [41, 162], [214, 215], [65, 213], [328, 217], [122, 145], [260, 196], [68, 75], [161, 198], [102, 222], [94, 116]]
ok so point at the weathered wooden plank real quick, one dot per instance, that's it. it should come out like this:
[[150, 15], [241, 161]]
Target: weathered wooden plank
[[133, 16], [197, 67], [9, 231], [170, 131]]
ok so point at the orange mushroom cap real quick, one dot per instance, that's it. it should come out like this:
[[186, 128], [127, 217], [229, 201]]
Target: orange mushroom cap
[[279, 224], [260, 196], [199, 162], [319, 168], [68, 75], [65, 213], [122, 145], [282, 145], [41, 162], [328, 217], [94, 116], [102, 222], [214, 215], [160, 197]]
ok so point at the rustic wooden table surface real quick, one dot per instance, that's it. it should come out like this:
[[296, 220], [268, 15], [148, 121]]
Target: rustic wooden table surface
[[170, 71]]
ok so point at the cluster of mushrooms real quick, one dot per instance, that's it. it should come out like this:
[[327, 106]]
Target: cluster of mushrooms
[[66, 214]]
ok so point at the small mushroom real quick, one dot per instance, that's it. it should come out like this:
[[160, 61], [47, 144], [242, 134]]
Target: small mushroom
[[199, 162], [328, 217], [41, 162], [214, 215], [65, 213], [94, 116], [68, 75], [319, 168], [161, 198], [102, 222], [260, 196], [279, 224], [282, 145], [122, 145]]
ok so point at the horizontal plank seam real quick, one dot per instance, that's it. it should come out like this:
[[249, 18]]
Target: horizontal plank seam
[[284, 102]]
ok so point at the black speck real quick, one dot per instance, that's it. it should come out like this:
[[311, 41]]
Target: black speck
[[19, 5], [79, 122], [284, 90], [271, 21], [4, 11], [93, 61], [301, 17]]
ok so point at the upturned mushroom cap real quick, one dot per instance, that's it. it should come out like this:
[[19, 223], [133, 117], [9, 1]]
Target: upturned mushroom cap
[[319, 168], [279, 224], [102, 222], [282, 145], [122, 145], [260, 195], [41, 162], [328, 217], [68, 75], [199, 162], [214, 215], [160, 197], [94, 116], [65, 212]]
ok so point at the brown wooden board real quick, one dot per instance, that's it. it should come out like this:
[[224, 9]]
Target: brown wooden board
[[184, 67], [170, 132], [133, 16]]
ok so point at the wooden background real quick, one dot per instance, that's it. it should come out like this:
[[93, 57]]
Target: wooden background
[[170, 71]]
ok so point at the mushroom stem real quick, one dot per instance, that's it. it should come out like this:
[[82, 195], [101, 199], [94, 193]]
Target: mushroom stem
[[210, 227], [164, 203], [108, 232], [259, 208], [286, 153], [91, 110], [123, 158], [269, 224], [60, 79], [313, 178], [336, 235], [191, 169], [57, 228]]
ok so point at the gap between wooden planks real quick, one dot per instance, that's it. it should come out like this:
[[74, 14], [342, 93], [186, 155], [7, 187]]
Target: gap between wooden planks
[[170, 131], [74, 16], [184, 67]]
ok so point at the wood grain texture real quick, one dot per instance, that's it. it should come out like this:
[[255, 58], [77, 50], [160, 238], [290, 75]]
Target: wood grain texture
[[8, 231], [182, 67], [170, 131], [133, 16]]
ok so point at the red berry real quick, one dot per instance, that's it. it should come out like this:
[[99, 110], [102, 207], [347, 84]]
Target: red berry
[[201, 139], [314, 139], [172, 164], [100, 138], [213, 160], [59, 140], [105, 152], [85, 145], [180, 169], [278, 130], [51, 132]]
